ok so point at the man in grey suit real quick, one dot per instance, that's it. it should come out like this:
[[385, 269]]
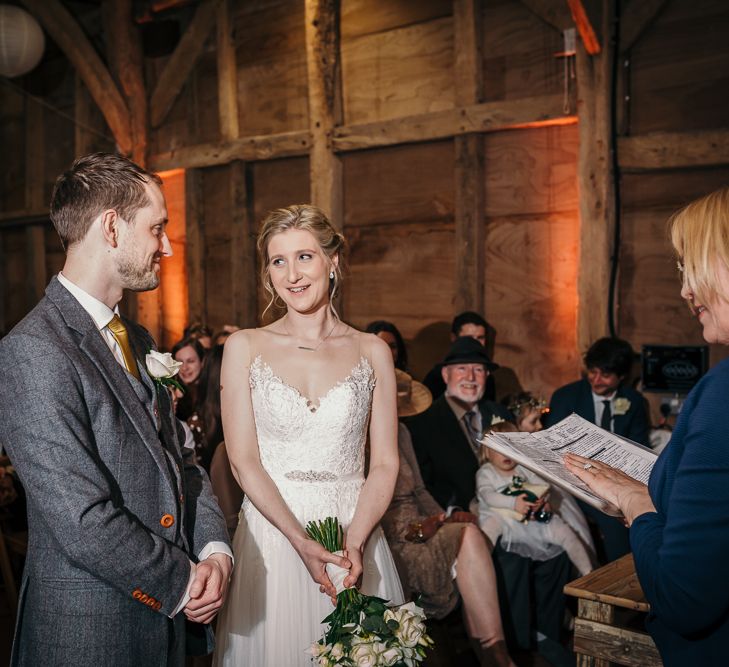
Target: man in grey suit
[[125, 538]]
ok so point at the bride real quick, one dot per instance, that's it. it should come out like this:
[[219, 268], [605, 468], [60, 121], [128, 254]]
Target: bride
[[298, 397]]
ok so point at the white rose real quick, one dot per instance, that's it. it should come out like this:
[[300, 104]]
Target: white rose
[[317, 649], [412, 608], [337, 652], [391, 656], [410, 630], [162, 366], [364, 654]]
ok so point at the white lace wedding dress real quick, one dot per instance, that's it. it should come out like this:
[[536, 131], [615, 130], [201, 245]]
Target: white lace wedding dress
[[315, 455]]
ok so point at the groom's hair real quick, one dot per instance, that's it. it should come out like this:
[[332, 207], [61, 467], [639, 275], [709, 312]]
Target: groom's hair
[[93, 184]]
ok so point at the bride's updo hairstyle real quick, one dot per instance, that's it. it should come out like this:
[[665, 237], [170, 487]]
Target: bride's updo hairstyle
[[308, 218]]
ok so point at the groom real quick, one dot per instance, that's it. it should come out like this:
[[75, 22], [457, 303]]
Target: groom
[[125, 538]]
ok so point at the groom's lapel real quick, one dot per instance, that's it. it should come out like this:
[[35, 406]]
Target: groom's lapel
[[96, 349]]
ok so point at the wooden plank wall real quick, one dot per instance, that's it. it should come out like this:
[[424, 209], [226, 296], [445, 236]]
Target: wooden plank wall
[[678, 79]]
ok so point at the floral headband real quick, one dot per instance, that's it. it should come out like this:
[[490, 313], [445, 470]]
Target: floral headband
[[531, 403]]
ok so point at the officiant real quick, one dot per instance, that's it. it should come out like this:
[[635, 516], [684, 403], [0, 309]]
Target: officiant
[[679, 527]]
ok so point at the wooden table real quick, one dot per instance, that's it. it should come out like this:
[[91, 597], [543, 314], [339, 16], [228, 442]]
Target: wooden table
[[599, 638]]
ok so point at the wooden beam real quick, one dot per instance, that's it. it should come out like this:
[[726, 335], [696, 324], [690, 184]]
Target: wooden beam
[[126, 61], [227, 74], [244, 308], [182, 60], [638, 15], [540, 111], [264, 147], [469, 160], [596, 188], [553, 12], [82, 140], [584, 27], [325, 105], [35, 157], [195, 245], [468, 38], [674, 150], [470, 223], [70, 38]]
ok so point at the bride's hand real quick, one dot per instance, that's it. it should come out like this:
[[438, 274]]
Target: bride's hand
[[315, 558], [355, 573]]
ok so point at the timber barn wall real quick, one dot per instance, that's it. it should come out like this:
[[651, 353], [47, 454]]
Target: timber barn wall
[[457, 148]]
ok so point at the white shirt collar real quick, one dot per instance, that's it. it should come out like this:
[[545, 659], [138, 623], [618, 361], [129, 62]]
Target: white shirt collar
[[100, 312], [599, 399]]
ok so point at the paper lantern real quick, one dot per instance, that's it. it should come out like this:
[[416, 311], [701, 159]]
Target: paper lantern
[[21, 41]]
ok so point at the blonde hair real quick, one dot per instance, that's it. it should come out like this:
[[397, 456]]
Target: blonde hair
[[700, 236], [499, 427], [308, 218]]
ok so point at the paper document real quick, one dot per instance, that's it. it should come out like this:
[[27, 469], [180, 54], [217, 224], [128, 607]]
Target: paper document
[[542, 452]]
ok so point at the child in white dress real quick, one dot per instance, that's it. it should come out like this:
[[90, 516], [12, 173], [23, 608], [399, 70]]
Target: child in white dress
[[513, 504]]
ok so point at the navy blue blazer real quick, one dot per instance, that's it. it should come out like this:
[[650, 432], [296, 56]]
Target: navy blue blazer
[[447, 462], [681, 550], [577, 397]]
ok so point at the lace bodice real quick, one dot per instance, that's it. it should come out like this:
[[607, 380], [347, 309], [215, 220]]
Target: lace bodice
[[304, 440]]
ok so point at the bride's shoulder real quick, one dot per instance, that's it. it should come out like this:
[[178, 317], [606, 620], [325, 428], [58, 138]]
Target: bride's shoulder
[[373, 347]]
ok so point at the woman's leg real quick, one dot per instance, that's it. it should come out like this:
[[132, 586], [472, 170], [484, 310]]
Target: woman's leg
[[476, 583]]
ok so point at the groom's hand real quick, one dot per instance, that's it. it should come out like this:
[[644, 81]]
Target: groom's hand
[[209, 587]]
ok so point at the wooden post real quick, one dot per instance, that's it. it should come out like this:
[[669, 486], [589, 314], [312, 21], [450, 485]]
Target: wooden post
[[70, 38], [242, 250], [595, 184], [594, 611], [469, 161], [325, 105], [195, 231], [227, 74], [126, 60], [34, 199]]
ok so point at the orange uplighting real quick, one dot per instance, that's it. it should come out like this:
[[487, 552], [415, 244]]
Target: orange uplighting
[[173, 278]]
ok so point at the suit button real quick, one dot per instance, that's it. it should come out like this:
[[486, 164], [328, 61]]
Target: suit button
[[167, 520]]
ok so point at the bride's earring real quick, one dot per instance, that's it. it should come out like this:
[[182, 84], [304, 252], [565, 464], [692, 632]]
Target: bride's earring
[[331, 275]]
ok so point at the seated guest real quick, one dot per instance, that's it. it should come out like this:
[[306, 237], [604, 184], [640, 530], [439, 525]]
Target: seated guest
[[201, 333], [191, 353], [604, 399], [390, 334], [526, 410], [446, 436], [464, 324], [526, 523], [205, 422], [223, 335], [441, 556], [446, 443]]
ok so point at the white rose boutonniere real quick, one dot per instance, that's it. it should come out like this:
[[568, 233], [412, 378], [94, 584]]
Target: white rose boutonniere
[[621, 406], [162, 368]]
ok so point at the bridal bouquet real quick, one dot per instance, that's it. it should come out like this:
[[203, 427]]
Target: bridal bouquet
[[363, 631]]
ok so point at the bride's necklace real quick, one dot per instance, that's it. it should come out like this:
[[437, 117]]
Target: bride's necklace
[[318, 345]]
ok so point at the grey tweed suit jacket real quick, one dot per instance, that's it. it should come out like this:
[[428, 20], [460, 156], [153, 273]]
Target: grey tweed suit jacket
[[116, 506]]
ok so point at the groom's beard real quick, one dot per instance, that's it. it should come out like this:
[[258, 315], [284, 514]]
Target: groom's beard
[[136, 274]]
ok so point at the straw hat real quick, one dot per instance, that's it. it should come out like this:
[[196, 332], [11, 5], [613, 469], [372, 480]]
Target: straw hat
[[413, 397]]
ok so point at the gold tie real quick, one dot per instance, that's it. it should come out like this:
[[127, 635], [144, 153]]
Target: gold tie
[[119, 331]]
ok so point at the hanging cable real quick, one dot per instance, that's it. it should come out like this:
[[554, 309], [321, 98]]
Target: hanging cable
[[615, 256]]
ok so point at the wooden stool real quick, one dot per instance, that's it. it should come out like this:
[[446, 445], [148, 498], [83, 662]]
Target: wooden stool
[[599, 641]]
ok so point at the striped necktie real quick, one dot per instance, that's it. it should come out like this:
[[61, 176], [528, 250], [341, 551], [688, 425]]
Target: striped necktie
[[119, 331]]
